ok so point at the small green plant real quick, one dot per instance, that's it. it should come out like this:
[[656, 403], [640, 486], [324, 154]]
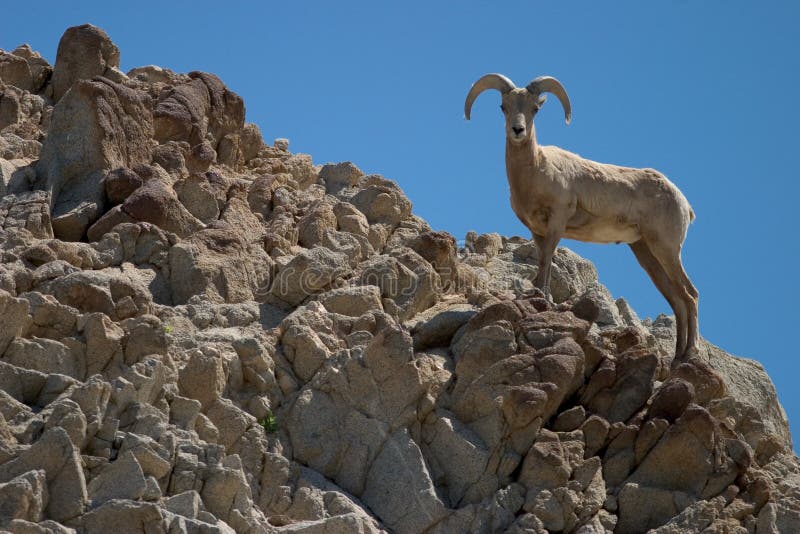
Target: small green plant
[[168, 329], [270, 423]]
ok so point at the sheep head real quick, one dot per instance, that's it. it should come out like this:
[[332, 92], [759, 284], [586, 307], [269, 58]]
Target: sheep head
[[519, 105]]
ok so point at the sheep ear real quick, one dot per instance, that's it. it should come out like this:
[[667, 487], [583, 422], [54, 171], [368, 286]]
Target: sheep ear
[[542, 100]]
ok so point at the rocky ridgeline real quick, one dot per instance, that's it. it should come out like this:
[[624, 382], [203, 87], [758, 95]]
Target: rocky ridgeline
[[204, 333]]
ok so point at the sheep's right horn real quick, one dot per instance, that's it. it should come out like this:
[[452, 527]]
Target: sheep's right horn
[[489, 81], [548, 84]]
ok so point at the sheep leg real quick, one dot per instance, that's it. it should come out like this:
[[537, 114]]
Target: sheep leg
[[691, 297], [693, 335], [547, 248], [670, 260], [653, 268]]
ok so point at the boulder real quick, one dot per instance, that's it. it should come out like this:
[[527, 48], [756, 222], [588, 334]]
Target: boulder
[[120, 479], [120, 515], [632, 385], [120, 183], [186, 504], [302, 169], [338, 176], [83, 52], [104, 290], [202, 379], [14, 70], [353, 301], [15, 318], [46, 356], [202, 107], [15, 175], [156, 203], [399, 488], [27, 211], [54, 454], [23, 497], [408, 283], [747, 380], [308, 273], [66, 413], [459, 459], [202, 265], [382, 202], [99, 126]]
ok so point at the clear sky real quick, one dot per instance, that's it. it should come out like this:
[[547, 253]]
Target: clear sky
[[704, 91]]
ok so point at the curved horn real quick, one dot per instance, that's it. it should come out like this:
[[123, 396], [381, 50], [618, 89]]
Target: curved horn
[[548, 84], [488, 81]]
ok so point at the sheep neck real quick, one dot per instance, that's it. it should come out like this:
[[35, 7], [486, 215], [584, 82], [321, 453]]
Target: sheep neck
[[521, 162]]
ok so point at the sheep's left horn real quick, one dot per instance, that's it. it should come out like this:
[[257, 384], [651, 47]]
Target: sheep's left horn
[[488, 81], [548, 84]]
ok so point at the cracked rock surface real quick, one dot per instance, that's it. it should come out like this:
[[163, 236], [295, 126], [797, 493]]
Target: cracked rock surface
[[201, 332]]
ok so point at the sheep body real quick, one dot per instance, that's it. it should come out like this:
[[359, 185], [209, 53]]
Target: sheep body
[[612, 204], [557, 193]]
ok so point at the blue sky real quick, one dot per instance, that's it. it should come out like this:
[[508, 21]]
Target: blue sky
[[703, 91]]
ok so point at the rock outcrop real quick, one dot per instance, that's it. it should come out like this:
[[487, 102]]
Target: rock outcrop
[[204, 333]]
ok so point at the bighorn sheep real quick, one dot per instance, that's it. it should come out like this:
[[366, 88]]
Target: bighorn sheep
[[558, 194]]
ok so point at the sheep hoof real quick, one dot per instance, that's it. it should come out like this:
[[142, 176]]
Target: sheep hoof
[[689, 355]]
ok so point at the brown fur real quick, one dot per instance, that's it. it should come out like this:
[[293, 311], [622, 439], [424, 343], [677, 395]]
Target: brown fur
[[556, 194]]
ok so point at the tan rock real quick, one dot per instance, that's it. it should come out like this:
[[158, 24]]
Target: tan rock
[[302, 169], [438, 249], [23, 497], [55, 454], [202, 106], [337, 176], [24, 385], [408, 283], [120, 183], [157, 203], [99, 126], [29, 211], [350, 219], [643, 508], [632, 386], [225, 492], [458, 457], [312, 226], [14, 70], [100, 290], [124, 516], [352, 301], [83, 52], [202, 379], [67, 414], [382, 203], [183, 412], [231, 422], [688, 443], [202, 265], [15, 175], [308, 273], [399, 489], [186, 504], [46, 356], [104, 349], [120, 479], [15, 318]]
